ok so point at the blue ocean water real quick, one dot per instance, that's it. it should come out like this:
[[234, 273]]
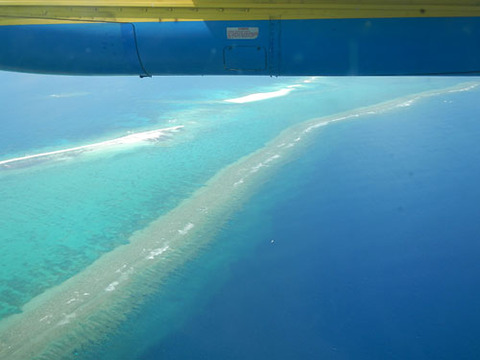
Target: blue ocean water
[[363, 246]]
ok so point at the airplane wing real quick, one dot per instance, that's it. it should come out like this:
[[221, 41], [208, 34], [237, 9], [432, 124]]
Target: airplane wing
[[256, 37]]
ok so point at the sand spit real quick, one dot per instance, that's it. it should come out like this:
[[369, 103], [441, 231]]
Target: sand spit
[[130, 139], [260, 96], [64, 320], [270, 94]]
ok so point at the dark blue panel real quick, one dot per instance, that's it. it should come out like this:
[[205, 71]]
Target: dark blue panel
[[196, 47], [406, 46], [245, 58], [77, 49], [380, 46]]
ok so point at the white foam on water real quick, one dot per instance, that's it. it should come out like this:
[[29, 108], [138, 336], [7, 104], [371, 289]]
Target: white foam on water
[[46, 317], [239, 182], [121, 269], [131, 139], [271, 158], [257, 167], [467, 88], [407, 103], [66, 319], [112, 286], [125, 271], [155, 252], [262, 164], [186, 229], [203, 209], [315, 126]]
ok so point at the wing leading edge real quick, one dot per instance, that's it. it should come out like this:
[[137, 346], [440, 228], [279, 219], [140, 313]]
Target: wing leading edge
[[240, 37]]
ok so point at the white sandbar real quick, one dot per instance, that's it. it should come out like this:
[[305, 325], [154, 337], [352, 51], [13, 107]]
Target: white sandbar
[[260, 96], [124, 140]]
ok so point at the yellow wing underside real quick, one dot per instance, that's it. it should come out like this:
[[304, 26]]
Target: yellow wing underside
[[66, 11]]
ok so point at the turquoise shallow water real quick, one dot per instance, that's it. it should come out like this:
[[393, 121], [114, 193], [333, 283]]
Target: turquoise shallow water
[[59, 215]]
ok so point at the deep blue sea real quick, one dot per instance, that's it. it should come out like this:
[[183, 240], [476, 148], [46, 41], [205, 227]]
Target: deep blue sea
[[375, 252], [363, 244]]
